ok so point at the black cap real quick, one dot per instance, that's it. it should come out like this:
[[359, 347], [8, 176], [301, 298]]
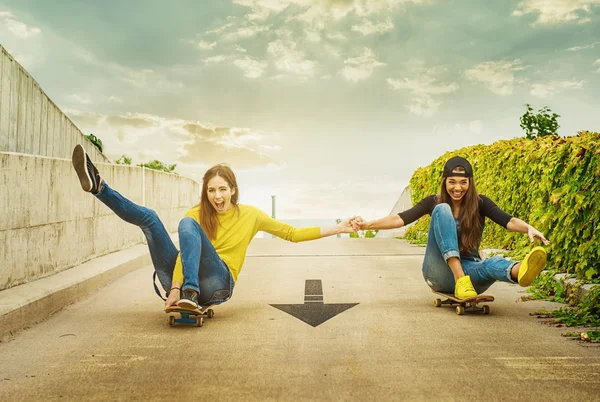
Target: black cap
[[456, 162]]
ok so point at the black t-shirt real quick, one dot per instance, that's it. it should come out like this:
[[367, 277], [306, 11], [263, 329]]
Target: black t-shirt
[[487, 208]]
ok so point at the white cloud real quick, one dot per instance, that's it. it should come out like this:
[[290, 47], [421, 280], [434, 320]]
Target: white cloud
[[497, 76], [261, 9], [240, 49], [423, 89], [332, 51], [203, 45], [336, 36], [222, 28], [553, 87], [115, 99], [284, 32], [17, 28], [216, 59], [211, 145], [361, 67], [79, 99], [312, 36], [366, 27], [318, 14], [247, 32], [190, 144], [290, 60], [578, 48], [556, 11], [597, 63], [252, 68]]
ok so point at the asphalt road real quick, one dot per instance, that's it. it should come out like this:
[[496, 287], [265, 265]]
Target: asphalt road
[[392, 345]]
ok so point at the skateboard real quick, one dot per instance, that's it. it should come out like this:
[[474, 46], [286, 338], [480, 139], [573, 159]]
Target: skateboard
[[465, 304], [188, 316]]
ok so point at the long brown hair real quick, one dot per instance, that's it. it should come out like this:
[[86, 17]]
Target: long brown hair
[[470, 224], [208, 214]]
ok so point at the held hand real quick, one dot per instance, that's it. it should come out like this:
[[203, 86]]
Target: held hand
[[173, 298], [357, 222], [534, 233], [346, 226]]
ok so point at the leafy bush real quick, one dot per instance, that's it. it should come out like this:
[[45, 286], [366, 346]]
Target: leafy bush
[[95, 140], [550, 182], [123, 160], [158, 165]]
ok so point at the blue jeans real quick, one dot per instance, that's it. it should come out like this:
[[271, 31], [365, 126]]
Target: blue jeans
[[442, 243], [203, 269]]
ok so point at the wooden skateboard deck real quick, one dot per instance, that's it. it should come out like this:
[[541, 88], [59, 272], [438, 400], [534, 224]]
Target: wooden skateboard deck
[[188, 316], [470, 303]]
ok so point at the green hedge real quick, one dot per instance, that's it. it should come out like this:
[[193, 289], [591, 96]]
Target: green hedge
[[552, 183]]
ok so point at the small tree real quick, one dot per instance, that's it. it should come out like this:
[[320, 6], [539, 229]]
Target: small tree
[[95, 140], [123, 160], [158, 165], [542, 124]]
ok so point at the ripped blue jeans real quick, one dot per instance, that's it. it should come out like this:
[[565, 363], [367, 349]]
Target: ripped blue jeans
[[442, 243], [203, 269]]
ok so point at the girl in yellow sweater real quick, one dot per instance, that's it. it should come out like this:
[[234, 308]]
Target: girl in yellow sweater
[[213, 236]]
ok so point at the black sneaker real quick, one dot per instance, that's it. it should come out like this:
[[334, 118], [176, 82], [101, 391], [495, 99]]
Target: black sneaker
[[189, 299], [87, 172]]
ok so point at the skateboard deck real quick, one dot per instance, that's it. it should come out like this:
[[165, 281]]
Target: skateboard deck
[[471, 303], [188, 316]]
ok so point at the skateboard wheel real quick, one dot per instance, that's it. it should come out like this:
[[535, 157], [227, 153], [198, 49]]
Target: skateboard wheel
[[199, 321], [460, 310], [486, 309], [437, 303], [171, 321], [211, 313]]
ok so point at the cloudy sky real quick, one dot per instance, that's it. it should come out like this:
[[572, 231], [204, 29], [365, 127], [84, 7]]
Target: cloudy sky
[[328, 104]]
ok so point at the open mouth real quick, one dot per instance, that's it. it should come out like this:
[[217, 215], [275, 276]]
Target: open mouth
[[220, 205], [457, 194]]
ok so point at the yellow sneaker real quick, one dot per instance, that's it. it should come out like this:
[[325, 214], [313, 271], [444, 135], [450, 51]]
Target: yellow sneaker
[[532, 265], [464, 288]]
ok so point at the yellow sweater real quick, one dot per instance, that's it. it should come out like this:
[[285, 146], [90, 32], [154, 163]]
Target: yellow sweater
[[235, 231]]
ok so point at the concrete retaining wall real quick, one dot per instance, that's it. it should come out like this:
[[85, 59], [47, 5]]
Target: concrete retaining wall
[[48, 224], [30, 122]]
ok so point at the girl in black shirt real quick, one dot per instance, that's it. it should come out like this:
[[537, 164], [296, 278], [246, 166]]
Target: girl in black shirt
[[452, 263]]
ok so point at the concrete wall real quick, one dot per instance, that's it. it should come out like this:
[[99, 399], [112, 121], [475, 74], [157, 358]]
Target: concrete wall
[[404, 202], [49, 224], [30, 122]]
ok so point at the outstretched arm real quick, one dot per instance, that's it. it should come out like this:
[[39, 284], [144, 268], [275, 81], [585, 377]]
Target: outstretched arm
[[293, 234], [517, 225]]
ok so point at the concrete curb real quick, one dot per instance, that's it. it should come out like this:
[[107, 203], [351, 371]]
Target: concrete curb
[[30, 303]]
